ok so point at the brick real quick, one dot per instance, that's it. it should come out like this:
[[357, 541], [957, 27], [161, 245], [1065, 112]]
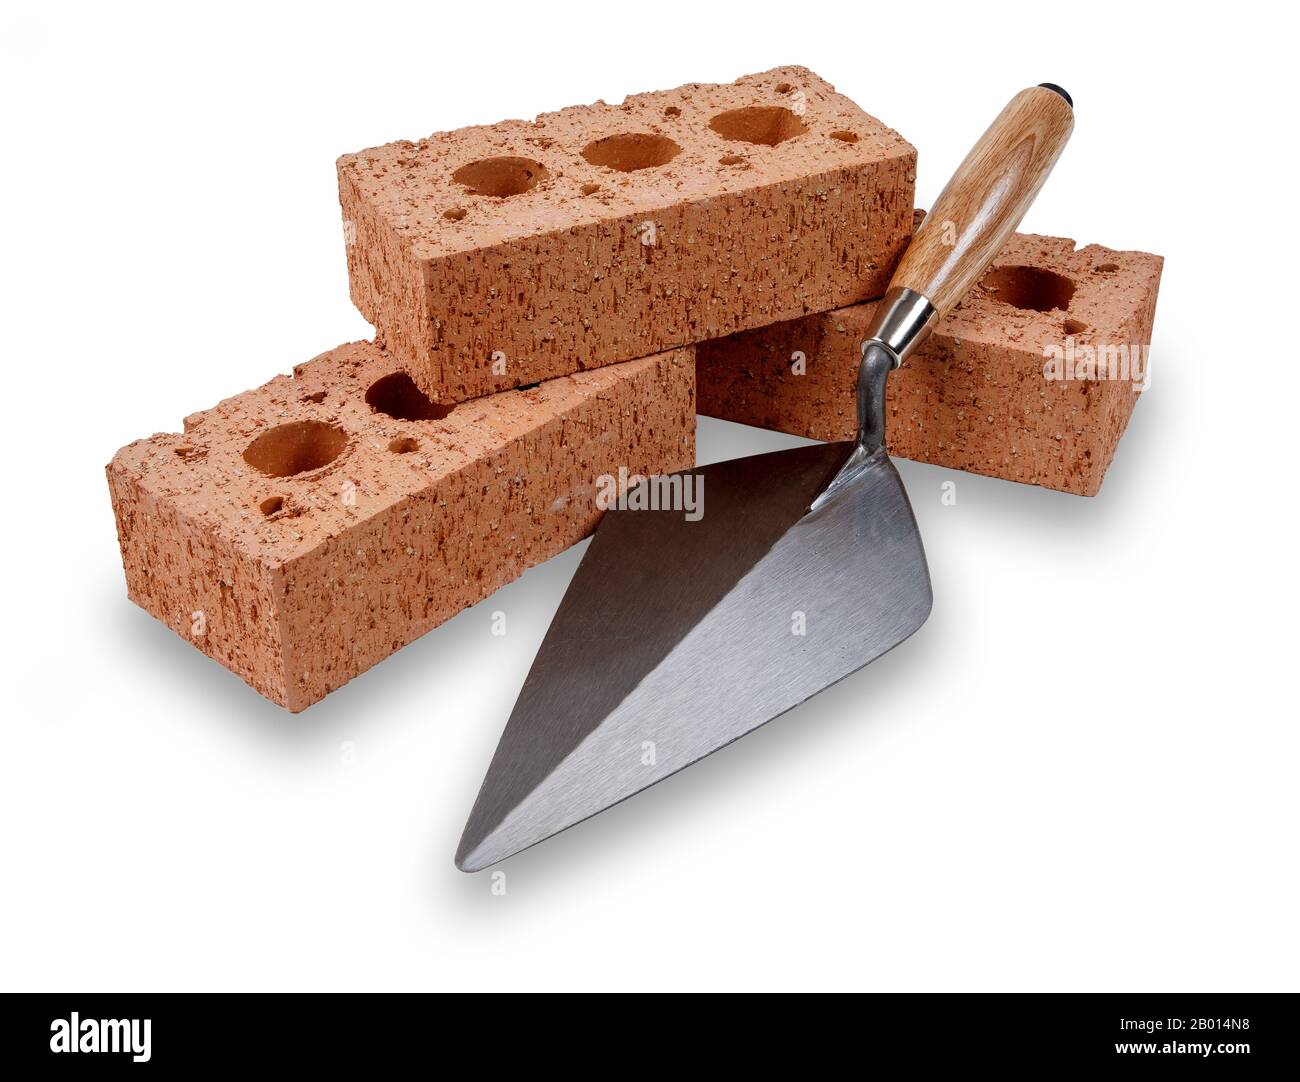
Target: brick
[[324, 520], [695, 213], [975, 397]]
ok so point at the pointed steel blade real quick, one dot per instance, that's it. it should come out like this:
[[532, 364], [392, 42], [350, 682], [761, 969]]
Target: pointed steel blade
[[677, 637]]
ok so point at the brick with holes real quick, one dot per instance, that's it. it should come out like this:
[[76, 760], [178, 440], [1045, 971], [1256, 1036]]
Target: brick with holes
[[301, 532], [496, 256], [1031, 378]]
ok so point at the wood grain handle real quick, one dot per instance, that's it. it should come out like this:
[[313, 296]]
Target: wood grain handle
[[986, 198]]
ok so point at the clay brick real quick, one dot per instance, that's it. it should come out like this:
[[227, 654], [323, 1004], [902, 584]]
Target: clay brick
[[324, 520], [975, 397], [695, 213]]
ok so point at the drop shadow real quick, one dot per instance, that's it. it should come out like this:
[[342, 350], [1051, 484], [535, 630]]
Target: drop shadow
[[733, 775], [151, 654], [730, 777]]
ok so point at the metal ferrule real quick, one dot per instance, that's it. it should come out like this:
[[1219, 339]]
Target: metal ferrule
[[901, 323]]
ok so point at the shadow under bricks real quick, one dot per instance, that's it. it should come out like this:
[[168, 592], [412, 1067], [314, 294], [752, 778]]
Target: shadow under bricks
[[1026, 515], [409, 676], [1028, 512]]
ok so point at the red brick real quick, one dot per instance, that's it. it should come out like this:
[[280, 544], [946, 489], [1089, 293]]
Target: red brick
[[390, 524], [975, 397], [588, 263]]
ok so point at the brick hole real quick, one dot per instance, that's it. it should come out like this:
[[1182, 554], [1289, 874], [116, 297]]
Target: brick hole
[[672, 110], [294, 448], [1029, 288], [1074, 326], [632, 151], [500, 177], [845, 136], [764, 125], [589, 189], [455, 214], [271, 505], [1106, 268], [404, 445], [783, 88], [189, 453], [397, 396], [315, 398], [732, 159]]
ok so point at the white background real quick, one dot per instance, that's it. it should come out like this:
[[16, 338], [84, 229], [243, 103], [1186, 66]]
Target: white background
[[1080, 774]]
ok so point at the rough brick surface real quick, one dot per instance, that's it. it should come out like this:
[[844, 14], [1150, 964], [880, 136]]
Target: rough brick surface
[[323, 521], [976, 397], [695, 213]]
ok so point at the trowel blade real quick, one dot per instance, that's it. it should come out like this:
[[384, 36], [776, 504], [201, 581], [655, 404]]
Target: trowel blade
[[676, 637]]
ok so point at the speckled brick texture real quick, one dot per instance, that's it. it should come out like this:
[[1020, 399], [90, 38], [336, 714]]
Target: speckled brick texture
[[496, 256], [977, 396], [302, 532]]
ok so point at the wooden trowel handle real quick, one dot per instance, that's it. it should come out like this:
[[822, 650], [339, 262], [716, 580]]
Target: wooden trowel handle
[[978, 209]]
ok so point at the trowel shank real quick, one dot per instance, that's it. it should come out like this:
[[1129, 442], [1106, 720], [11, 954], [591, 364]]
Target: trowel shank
[[978, 209]]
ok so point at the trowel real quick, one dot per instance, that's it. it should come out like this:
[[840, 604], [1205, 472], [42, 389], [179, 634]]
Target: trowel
[[683, 631]]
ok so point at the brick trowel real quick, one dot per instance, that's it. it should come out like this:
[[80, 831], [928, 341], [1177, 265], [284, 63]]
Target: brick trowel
[[683, 631]]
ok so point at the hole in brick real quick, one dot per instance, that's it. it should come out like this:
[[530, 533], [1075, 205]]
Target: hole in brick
[[783, 88], [731, 159], [316, 397], [189, 453], [672, 110], [1107, 268], [295, 448], [590, 189], [765, 125], [399, 397], [628, 153], [404, 445], [1073, 326], [500, 177], [1029, 288], [845, 136], [456, 214], [271, 505]]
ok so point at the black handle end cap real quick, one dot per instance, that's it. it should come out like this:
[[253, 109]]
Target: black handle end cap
[[1059, 90]]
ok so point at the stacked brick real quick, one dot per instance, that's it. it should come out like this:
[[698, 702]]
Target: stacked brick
[[545, 296]]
